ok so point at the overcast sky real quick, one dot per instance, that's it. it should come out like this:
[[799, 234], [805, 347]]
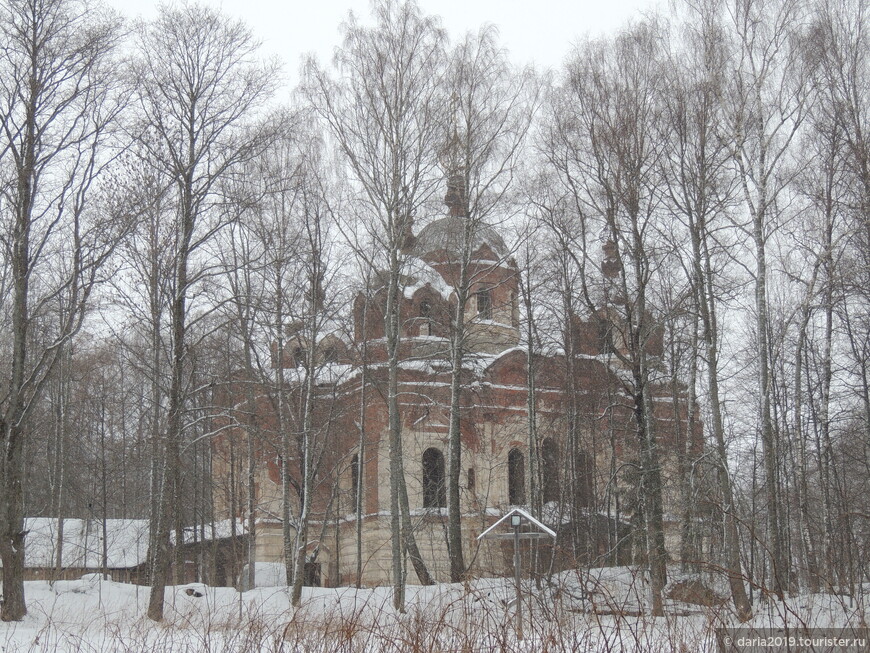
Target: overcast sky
[[541, 31]]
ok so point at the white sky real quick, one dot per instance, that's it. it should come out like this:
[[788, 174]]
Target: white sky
[[541, 31]]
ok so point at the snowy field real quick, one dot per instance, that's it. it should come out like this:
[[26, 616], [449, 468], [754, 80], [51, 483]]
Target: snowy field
[[597, 610]]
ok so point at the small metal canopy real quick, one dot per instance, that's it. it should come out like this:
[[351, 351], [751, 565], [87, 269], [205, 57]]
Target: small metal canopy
[[543, 530], [515, 518]]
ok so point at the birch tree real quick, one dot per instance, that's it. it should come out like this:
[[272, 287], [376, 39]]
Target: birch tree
[[381, 107], [701, 193], [603, 140], [767, 100], [199, 85], [313, 312], [276, 231], [279, 271], [57, 104], [841, 46], [491, 110]]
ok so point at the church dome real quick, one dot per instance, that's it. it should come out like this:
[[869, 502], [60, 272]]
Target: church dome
[[447, 233]]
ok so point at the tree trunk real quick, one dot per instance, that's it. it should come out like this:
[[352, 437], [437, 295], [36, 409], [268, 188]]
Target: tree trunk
[[769, 437], [454, 436], [307, 466], [651, 494], [175, 404], [359, 504], [710, 336]]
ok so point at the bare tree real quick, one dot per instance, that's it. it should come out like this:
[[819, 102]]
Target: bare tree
[[831, 272], [198, 88], [382, 111], [491, 110], [700, 190], [142, 289], [314, 313], [275, 229], [840, 47], [279, 272], [56, 107], [767, 105], [603, 141]]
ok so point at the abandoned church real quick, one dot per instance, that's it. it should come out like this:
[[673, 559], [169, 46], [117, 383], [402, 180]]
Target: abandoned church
[[555, 434]]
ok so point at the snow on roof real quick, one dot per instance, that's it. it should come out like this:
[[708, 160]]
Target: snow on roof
[[420, 274], [448, 234], [326, 373], [218, 531], [536, 524], [127, 542]]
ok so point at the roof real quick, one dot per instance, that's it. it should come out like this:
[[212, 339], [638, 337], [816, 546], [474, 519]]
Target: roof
[[418, 274], [127, 541], [542, 529], [447, 234]]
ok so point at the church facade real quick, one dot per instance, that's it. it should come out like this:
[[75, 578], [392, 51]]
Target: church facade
[[554, 434]]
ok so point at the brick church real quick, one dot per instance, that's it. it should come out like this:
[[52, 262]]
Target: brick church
[[582, 446]]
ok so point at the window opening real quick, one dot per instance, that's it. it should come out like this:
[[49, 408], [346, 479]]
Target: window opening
[[516, 478], [354, 481], [550, 469], [434, 491], [426, 313], [484, 304], [583, 483]]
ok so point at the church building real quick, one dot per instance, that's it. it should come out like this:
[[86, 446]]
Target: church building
[[572, 464]]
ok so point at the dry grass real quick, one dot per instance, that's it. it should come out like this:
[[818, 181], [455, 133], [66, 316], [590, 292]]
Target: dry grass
[[574, 613]]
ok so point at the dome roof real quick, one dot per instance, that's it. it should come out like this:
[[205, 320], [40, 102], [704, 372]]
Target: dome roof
[[446, 234]]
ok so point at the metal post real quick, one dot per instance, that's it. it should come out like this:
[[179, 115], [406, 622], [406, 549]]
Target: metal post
[[517, 517], [517, 578]]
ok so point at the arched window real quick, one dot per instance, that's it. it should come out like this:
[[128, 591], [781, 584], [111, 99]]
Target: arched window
[[330, 354], [472, 478], [516, 478], [354, 480], [583, 482], [434, 492], [299, 357], [550, 470], [484, 304], [426, 314]]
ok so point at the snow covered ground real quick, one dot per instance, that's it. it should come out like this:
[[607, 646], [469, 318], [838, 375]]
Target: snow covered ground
[[594, 611]]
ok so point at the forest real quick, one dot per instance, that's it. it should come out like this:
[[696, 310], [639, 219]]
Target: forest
[[164, 218]]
